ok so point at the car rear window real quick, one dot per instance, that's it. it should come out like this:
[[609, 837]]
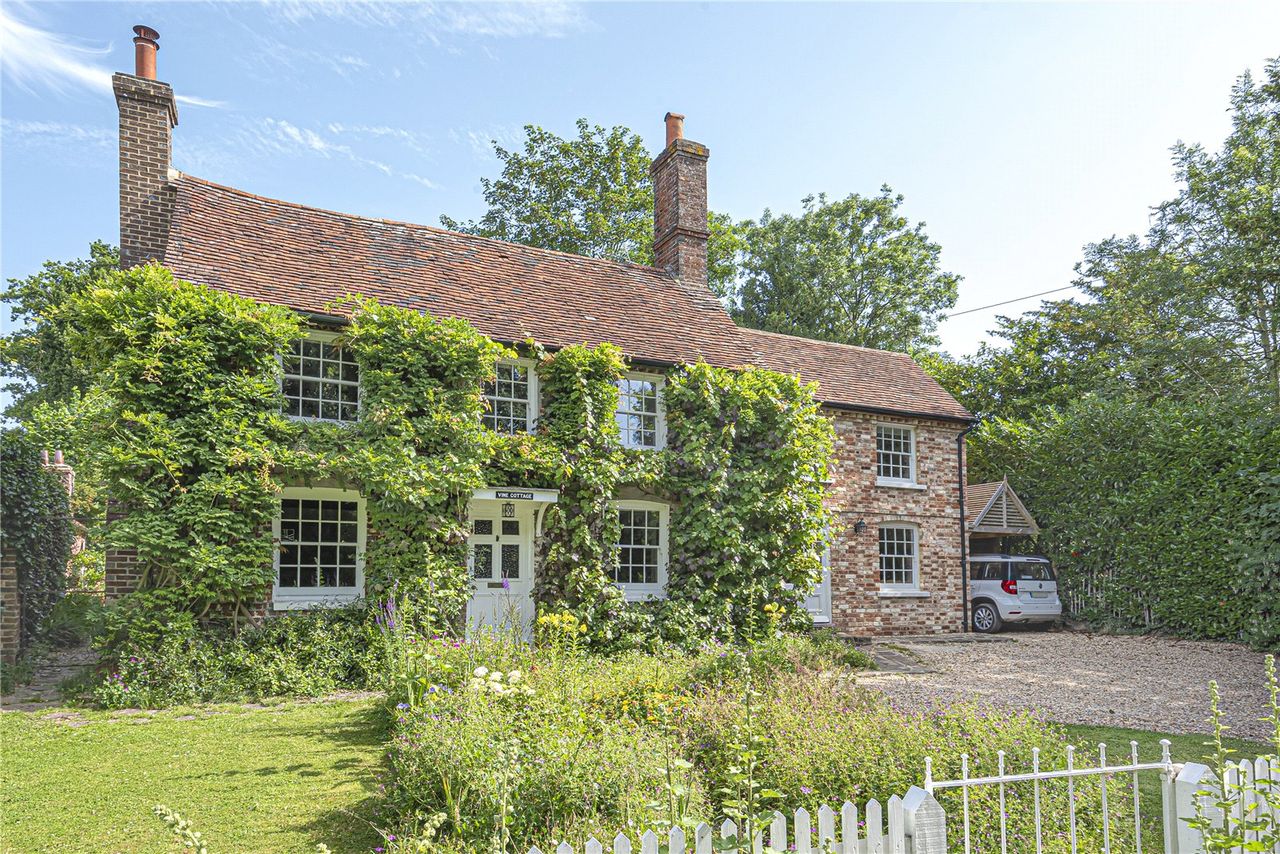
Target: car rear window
[[1032, 572]]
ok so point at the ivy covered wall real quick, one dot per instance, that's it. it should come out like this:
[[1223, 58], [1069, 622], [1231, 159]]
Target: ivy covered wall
[[195, 444]]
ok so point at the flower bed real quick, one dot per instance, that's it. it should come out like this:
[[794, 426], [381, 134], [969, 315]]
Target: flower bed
[[500, 746]]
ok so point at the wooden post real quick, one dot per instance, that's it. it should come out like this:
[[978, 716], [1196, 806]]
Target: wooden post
[[925, 822], [1187, 786]]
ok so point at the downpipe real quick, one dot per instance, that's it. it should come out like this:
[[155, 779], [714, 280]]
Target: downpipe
[[964, 533]]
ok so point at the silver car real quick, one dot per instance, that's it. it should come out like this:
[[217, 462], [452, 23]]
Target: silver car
[[1011, 589]]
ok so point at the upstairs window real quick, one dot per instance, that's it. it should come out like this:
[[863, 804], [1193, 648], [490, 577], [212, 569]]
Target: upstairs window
[[641, 570], [512, 398], [640, 417], [895, 455], [321, 380], [899, 556]]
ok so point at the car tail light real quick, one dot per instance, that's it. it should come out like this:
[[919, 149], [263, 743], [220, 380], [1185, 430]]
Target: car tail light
[[1009, 586]]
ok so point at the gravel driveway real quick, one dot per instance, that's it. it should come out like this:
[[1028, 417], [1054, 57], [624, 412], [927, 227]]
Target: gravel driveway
[[1137, 682]]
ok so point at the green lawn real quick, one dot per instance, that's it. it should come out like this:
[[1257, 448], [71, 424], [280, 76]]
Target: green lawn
[[262, 780]]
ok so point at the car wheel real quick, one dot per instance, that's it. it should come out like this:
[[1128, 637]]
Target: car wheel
[[986, 618]]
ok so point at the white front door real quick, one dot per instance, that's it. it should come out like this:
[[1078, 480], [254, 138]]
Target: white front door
[[501, 563]]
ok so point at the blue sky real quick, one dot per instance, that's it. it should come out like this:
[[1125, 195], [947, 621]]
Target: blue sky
[[1017, 132]]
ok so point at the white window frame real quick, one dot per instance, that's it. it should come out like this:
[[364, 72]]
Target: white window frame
[[910, 481], [660, 421], [914, 584], [640, 592], [291, 598], [322, 337], [531, 421]]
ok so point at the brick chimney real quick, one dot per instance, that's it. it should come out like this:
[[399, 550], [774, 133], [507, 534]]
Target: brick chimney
[[680, 206], [148, 114]]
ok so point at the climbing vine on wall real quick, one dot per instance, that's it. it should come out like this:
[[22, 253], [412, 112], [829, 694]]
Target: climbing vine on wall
[[36, 529], [197, 450], [418, 451], [190, 434], [748, 453]]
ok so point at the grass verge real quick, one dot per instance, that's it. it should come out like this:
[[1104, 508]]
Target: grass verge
[[280, 778]]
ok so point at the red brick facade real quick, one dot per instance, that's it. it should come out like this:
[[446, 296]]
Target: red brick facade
[[859, 606], [10, 607]]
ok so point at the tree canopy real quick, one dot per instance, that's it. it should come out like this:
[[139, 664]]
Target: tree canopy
[[590, 195], [854, 271], [35, 356]]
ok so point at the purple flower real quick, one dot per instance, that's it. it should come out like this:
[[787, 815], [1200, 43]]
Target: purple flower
[[402, 705], [506, 584]]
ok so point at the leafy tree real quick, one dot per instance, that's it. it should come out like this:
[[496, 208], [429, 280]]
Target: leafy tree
[[1224, 226], [36, 355], [853, 270], [588, 196]]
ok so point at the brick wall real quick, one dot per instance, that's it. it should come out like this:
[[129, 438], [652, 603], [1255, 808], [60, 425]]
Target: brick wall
[[10, 607], [147, 116], [858, 606]]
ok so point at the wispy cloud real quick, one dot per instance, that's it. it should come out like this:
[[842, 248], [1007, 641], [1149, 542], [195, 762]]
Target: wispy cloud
[[33, 57], [282, 137], [481, 141], [522, 18], [410, 139], [50, 134]]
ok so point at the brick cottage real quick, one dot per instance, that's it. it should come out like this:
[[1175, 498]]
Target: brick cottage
[[894, 563]]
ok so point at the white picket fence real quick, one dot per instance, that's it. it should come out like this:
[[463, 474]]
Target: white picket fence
[[1253, 792], [916, 825]]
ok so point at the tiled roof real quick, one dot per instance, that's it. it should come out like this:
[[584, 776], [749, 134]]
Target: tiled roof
[[857, 377], [976, 497], [304, 257]]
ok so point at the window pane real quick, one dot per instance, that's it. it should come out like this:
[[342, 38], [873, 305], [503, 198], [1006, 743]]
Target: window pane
[[318, 559], [323, 384], [482, 560], [510, 560]]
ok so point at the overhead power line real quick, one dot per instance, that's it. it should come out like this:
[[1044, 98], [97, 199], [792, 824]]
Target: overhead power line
[[1008, 301]]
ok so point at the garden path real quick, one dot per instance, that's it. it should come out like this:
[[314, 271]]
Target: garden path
[[1079, 678]]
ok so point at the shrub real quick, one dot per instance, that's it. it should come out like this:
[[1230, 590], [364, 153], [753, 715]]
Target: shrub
[[568, 747], [35, 525], [645, 741], [827, 741], [306, 654]]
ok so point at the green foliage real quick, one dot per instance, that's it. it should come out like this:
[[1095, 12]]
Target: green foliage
[[306, 654], [37, 355], [587, 196], [418, 451], [748, 454], [1141, 502], [35, 525], [636, 742], [581, 394], [1224, 227], [189, 433], [187, 427], [853, 270]]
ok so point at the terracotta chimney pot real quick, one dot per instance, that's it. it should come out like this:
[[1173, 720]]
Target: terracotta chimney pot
[[675, 127], [144, 52]]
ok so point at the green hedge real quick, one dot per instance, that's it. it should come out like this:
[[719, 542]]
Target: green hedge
[[1170, 510], [37, 529]]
